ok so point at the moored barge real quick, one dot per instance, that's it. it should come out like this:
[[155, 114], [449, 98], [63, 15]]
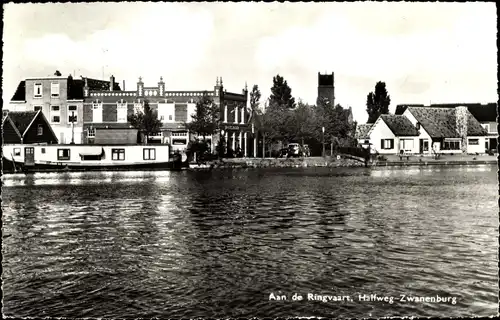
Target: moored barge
[[73, 157]]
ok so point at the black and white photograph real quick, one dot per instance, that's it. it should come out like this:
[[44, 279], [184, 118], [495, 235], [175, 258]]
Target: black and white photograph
[[219, 160]]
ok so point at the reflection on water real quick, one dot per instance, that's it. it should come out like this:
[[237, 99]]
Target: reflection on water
[[216, 244]]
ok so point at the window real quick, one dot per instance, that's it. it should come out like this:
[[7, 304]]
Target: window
[[38, 90], [387, 144], [179, 134], [63, 154], [149, 154], [474, 142], [121, 112], [40, 130], [426, 146], [55, 114], [406, 145], [162, 118], [118, 154], [97, 111], [72, 108], [170, 118], [36, 108], [91, 133], [17, 152], [43, 150], [451, 145], [54, 89]]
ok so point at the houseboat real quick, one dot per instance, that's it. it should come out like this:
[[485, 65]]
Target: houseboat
[[30, 144], [72, 157]]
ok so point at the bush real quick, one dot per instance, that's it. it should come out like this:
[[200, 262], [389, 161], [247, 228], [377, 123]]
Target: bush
[[201, 148], [381, 158]]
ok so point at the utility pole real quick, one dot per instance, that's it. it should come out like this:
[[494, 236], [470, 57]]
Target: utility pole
[[72, 127]]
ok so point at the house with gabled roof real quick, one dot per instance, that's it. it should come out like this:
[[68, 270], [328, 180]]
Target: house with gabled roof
[[484, 113], [447, 130], [27, 127], [391, 134]]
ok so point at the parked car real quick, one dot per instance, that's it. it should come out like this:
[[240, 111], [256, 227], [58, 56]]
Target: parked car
[[294, 150], [282, 153]]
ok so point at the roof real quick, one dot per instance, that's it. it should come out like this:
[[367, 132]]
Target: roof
[[482, 112], [75, 88], [362, 130], [22, 119], [20, 94], [399, 125], [441, 122]]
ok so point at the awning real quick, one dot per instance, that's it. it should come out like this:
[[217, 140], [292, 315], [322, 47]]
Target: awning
[[91, 151]]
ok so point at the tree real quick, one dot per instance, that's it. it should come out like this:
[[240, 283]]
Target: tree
[[145, 121], [302, 123], [255, 96], [281, 93], [57, 73], [206, 119], [377, 102]]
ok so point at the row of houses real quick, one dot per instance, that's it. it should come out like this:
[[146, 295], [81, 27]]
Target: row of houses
[[91, 111], [440, 128]]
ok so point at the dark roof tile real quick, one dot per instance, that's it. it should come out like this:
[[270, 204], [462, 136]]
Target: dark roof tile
[[441, 122], [362, 131], [22, 119], [482, 112], [20, 94], [400, 125]]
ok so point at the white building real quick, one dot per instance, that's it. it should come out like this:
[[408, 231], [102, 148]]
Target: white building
[[425, 130]]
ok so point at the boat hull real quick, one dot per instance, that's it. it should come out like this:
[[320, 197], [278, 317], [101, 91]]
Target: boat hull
[[8, 167]]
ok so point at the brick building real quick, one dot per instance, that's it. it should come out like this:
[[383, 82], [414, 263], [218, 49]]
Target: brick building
[[61, 101], [105, 114]]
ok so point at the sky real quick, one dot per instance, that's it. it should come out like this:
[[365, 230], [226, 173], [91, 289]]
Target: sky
[[424, 52]]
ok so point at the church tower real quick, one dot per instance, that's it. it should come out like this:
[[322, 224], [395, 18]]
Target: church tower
[[326, 87]]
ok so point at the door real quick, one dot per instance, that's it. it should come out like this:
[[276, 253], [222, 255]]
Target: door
[[29, 156]]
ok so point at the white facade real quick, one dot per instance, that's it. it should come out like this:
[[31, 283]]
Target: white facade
[[476, 144], [424, 138], [380, 131], [191, 109], [166, 112], [70, 154]]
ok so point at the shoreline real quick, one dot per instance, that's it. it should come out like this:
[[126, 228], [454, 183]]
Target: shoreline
[[254, 163], [262, 163]]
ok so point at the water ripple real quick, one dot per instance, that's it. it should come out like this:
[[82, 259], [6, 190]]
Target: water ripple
[[184, 244]]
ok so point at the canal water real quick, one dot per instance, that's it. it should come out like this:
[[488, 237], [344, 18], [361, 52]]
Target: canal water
[[252, 243]]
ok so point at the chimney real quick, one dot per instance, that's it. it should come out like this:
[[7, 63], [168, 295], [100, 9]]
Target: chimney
[[123, 85], [86, 88], [111, 83], [461, 118], [161, 86]]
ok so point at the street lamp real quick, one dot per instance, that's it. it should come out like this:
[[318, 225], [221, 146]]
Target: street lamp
[[323, 130], [222, 144]]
